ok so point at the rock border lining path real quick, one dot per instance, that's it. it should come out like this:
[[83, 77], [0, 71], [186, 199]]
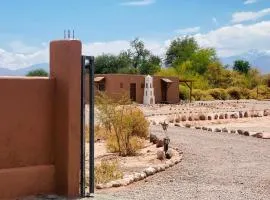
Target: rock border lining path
[[149, 171], [261, 135]]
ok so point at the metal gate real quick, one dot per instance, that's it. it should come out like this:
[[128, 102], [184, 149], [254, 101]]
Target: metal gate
[[87, 69]]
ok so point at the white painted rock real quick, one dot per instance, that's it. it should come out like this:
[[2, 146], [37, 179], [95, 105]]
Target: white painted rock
[[266, 135], [137, 177], [116, 183], [150, 171]]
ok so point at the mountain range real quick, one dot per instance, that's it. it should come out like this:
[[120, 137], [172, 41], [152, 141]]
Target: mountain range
[[23, 71], [258, 59]]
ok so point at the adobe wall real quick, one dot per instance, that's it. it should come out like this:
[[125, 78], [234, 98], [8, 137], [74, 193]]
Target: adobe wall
[[26, 149], [113, 81], [40, 128], [173, 90]]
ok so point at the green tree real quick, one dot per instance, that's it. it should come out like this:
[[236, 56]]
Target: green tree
[[106, 64], [150, 66], [139, 53], [181, 50], [202, 59], [241, 66], [38, 72]]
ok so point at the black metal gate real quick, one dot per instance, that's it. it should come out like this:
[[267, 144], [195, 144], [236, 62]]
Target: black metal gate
[[87, 69]]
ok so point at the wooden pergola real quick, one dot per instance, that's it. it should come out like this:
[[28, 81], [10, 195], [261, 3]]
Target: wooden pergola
[[189, 84]]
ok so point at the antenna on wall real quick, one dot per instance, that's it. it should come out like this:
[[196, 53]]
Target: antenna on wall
[[68, 36]]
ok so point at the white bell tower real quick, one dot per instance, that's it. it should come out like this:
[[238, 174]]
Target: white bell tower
[[148, 97]]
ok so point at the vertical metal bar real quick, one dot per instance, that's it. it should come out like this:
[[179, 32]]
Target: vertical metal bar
[[92, 125], [82, 185]]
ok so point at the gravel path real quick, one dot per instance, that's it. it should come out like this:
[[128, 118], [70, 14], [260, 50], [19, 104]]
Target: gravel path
[[215, 166]]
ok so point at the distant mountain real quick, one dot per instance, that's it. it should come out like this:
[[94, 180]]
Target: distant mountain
[[23, 71], [258, 59]]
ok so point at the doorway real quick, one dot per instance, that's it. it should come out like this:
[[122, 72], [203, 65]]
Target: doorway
[[164, 90], [133, 91]]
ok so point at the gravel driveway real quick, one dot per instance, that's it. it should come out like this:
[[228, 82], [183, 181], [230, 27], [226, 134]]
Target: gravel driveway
[[215, 166]]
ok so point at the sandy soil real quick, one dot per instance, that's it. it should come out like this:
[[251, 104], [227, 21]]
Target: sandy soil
[[160, 113], [146, 157]]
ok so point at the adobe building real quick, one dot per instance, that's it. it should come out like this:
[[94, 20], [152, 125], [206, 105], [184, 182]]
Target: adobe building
[[141, 88]]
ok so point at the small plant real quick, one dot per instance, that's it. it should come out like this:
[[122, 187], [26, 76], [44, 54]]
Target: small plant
[[107, 171], [200, 95], [235, 93], [100, 133], [218, 93], [125, 124]]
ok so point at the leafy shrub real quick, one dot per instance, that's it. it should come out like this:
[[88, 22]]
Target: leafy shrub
[[107, 171], [218, 93], [183, 92], [234, 92], [140, 126], [264, 91], [38, 72], [200, 95]]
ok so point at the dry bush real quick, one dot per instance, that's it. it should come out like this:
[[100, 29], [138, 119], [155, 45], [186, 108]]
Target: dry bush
[[140, 126], [100, 133], [125, 123], [200, 95], [264, 92], [135, 144], [218, 93], [235, 93], [107, 171]]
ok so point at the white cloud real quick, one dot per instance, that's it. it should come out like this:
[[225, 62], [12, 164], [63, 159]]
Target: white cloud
[[188, 30], [229, 41], [237, 39], [15, 60], [115, 47], [138, 3], [239, 17], [250, 2]]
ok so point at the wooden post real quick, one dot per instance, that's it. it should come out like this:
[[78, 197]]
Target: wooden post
[[190, 95]]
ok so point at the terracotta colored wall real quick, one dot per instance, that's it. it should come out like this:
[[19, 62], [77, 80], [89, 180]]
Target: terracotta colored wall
[[26, 153], [173, 90], [112, 86], [40, 128], [65, 67]]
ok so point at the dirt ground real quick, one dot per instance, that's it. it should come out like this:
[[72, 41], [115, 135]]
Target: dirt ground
[[146, 157], [160, 113]]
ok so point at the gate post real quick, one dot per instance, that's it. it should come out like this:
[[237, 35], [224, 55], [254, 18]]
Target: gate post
[[65, 68]]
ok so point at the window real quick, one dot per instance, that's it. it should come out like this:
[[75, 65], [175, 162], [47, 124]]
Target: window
[[145, 93], [121, 85], [101, 87], [146, 85]]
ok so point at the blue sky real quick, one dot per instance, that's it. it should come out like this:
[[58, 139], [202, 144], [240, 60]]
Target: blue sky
[[232, 26]]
